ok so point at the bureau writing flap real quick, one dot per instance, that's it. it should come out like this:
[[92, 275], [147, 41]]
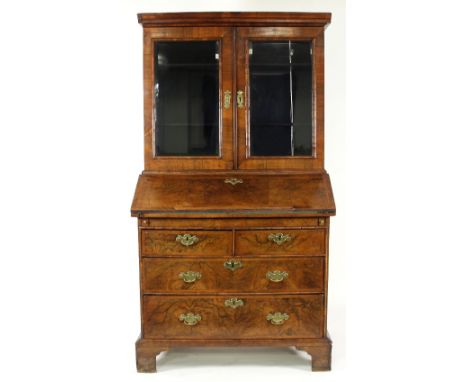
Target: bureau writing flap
[[238, 194]]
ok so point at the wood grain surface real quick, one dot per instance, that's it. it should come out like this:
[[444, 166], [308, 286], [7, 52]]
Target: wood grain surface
[[164, 243], [304, 275], [209, 196], [257, 242], [161, 317]]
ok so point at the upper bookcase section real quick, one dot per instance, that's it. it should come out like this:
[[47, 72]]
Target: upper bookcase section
[[234, 91]]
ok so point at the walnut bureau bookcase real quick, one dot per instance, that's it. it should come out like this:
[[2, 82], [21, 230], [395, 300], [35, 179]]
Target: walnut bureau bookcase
[[234, 203]]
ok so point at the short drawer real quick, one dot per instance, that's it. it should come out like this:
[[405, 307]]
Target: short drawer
[[233, 274], [176, 243], [236, 316], [278, 242]]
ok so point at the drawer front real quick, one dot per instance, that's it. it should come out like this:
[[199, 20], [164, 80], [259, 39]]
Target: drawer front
[[271, 242], [176, 243], [213, 317], [212, 275]]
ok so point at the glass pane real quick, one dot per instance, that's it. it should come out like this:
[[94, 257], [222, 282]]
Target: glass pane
[[280, 74], [186, 92]]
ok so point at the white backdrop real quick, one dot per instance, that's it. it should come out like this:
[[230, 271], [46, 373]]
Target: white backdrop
[[71, 147]]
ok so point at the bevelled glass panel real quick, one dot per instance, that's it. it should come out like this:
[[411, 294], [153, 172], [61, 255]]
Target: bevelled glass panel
[[186, 92], [281, 103]]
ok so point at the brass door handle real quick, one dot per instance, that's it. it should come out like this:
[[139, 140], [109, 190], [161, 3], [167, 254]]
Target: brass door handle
[[279, 238], [233, 264], [277, 318], [190, 276], [233, 302], [277, 276], [187, 239], [240, 99], [190, 318]]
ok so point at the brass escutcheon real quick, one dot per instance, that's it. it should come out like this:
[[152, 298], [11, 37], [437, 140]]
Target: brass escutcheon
[[277, 276], [190, 318], [233, 302], [233, 181], [277, 318], [227, 99], [190, 276], [233, 264], [187, 239], [279, 238], [240, 99]]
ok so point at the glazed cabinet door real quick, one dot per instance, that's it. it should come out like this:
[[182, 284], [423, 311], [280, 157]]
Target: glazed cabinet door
[[188, 98], [279, 96]]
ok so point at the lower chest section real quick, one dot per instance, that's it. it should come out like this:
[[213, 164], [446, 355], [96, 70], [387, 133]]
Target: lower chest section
[[233, 278]]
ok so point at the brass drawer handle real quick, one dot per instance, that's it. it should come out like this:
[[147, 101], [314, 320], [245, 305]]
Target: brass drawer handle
[[279, 238], [233, 264], [187, 239], [190, 276], [233, 181], [277, 318], [277, 276], [233, 302], [190, 318]]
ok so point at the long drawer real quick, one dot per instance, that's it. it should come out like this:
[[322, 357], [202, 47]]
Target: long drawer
[[236, 316], [279, 274], [186, 243], [280, 242]]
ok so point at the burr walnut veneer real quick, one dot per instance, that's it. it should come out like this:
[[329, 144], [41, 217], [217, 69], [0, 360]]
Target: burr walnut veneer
[[234, 203]]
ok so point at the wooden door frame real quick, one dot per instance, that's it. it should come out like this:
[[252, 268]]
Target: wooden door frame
[[316, 36], [225, 160]]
